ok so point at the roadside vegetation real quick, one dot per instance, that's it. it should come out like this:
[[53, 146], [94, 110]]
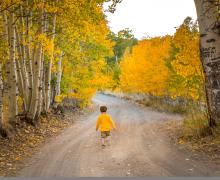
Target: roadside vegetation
[[55, 56], [165, 73], [50, 51]]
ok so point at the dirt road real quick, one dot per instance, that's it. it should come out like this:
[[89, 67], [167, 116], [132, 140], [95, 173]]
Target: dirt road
[[137, 148]]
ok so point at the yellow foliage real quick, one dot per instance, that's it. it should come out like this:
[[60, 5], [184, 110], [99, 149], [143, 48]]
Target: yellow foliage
[[84, 96], [187, 63], [165, 66], [59, 98], [144, 70], [85, 45], [48, 44]]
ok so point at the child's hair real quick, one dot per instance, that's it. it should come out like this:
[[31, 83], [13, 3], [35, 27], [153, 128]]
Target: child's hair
[[103, 108]]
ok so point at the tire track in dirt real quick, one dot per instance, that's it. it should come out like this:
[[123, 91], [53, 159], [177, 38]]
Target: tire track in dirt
[[137, 148]]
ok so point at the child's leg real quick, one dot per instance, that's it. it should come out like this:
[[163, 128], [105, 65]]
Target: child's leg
[[102, 138], [103, 141], [108, 141]]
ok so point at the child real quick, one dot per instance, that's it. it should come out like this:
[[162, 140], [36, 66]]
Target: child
[[105, 124]]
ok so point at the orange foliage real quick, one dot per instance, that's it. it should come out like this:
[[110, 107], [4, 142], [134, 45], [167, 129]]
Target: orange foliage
[[145, 70]]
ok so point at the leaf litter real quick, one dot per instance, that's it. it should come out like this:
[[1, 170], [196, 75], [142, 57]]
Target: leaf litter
[[28, 139]]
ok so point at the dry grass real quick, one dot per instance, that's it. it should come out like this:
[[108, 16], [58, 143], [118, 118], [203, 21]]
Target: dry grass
[[160, 105], [197, 126], [196, 135]]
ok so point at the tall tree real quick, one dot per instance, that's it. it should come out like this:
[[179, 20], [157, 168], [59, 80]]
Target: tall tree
[[12, 73], [33, 67], [124, 40], [209, 27]]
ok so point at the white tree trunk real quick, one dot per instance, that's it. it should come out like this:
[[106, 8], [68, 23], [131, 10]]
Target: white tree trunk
[[36, 84], [7, 65], [23, 57], [48, 70], [40, 101], [4, 89], [12, 84], [28, 58], [36, 66], [43, 90], [20, 81], [209, 25], [59, 74], [1, 99], [21, 71]]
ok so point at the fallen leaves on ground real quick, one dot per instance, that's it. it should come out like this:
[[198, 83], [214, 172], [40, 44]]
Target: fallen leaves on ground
[[28, 139], [208, 146]]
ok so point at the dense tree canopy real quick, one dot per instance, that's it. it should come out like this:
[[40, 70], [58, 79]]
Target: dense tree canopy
[[166, 66], [51, 50]]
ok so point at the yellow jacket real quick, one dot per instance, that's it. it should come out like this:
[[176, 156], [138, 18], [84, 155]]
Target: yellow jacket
[[105, 123]]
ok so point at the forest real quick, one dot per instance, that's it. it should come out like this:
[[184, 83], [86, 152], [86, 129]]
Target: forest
[[50, 50], [54, 52]]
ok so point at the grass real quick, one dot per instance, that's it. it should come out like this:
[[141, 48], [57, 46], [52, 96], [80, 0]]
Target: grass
[[193, 131], [196, 126], [196, 135], [160, 105]]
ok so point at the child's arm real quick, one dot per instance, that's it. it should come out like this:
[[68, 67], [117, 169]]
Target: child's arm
[[97, 124], [113, 123]]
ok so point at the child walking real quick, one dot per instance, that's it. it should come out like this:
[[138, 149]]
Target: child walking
[[105, 124]]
